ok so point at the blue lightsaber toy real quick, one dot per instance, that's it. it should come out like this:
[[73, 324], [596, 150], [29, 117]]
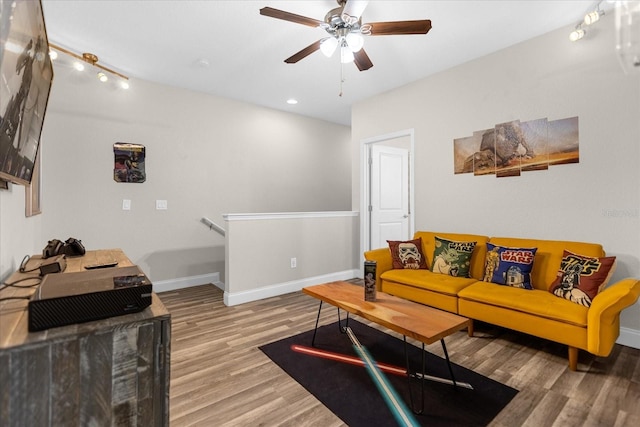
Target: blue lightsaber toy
[[400, 412]]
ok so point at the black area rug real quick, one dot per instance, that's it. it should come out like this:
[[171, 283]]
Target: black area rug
[[349, 392]]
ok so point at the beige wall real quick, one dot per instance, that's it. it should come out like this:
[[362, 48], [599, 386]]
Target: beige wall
[[596, 200], [206, 156], [260, 247]]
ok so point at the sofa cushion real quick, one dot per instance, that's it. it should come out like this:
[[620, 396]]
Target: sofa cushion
[[425, 279], [452, 257], [509, 266], [580, 278], [477, 259], [548, 256], [407, 254], [535, 302]]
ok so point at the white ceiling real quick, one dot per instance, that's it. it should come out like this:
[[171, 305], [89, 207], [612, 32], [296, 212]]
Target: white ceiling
[[163, 41]]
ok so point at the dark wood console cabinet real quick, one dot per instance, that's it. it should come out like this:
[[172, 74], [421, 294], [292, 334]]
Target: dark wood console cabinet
[[103, 373]]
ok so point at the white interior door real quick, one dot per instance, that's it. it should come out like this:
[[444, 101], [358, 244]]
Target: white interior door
[[389, 199]]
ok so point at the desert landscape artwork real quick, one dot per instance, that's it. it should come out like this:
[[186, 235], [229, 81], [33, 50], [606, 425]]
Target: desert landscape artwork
[[510, 148]]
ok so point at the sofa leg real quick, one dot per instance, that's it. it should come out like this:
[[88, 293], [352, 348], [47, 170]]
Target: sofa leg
[[470, 328], [573, 358]]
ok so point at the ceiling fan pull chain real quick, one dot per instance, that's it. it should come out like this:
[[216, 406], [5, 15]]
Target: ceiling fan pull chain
[[341, 78]]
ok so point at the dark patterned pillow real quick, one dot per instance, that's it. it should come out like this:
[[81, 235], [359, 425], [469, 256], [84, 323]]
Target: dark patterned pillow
[[580, 278], [509, 266], [452, 258], [407, 254]]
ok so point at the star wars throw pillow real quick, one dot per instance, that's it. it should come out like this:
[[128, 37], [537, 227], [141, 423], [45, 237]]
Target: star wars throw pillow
[[580, 278], [509, 266], [452, 258], [407, 254]]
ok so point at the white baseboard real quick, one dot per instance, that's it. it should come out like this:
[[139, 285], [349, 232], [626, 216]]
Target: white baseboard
[[185, 282], [235, 298], [629, 337]]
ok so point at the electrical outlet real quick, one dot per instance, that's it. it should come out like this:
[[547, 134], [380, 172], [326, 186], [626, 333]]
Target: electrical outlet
[[294, 262], [161, 205]]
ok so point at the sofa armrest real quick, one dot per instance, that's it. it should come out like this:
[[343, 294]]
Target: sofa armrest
[[383, 260], [603, 322]]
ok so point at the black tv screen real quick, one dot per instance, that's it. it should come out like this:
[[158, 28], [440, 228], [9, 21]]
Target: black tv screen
[[26, 74]]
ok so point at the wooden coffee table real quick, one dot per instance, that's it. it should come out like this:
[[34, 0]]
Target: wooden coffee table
[[420, 322]]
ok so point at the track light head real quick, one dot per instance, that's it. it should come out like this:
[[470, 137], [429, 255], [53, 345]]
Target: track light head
[[577, 34], [592, 17]]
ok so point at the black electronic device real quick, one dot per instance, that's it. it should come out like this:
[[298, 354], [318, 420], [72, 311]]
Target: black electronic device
[[101, 265], [53, 265], [65, 299]]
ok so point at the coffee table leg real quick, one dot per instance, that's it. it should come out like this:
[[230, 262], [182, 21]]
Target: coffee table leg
[[313, 340], [444, 348], [340, 327], [343, 330], [423, 376]]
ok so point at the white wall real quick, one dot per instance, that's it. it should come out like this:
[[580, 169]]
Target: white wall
[[260, 248], [206, 156], [17, 233], [596, 200]]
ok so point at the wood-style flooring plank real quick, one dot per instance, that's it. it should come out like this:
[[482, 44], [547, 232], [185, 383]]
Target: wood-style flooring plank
[[220, 377]]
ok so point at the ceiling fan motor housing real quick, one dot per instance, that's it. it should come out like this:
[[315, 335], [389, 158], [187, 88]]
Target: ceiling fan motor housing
[[337, 24]]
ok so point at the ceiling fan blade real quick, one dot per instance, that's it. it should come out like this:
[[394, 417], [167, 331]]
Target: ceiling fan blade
[[288, 16], [303, 53], [362, 61], [400, 27], [354, 8]]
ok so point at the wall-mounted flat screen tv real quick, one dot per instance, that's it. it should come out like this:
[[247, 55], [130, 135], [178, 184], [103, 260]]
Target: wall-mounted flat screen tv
[[26, 74]]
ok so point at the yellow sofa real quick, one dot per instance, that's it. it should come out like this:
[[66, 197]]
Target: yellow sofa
[[536, 312]]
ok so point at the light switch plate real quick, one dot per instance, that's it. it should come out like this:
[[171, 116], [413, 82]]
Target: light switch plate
[[126, 204], [161, 205]]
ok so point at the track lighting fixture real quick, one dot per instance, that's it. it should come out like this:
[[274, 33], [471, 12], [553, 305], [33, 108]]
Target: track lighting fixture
[[577, 33], [590, 18], [92, 60], [594, 16]]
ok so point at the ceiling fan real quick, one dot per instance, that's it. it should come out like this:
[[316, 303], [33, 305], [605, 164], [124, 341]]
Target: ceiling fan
[[345, 28]]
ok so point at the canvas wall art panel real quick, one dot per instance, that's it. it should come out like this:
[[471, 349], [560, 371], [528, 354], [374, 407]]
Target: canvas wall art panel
[[26, 74]]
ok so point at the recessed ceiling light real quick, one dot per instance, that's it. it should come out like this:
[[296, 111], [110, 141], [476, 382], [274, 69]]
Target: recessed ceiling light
[[292, 101], [203, 63]]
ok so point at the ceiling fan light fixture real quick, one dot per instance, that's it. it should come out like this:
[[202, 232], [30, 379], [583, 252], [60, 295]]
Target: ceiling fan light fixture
[[355, 41], [346, 55], [328, 46]]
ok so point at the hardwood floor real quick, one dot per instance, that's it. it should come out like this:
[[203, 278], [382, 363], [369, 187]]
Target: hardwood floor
[[220, 377]]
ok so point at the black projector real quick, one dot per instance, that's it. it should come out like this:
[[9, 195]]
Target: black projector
[[68, 298]]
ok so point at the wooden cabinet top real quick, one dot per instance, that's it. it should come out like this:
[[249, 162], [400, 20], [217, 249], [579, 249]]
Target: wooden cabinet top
[[14, 315]]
